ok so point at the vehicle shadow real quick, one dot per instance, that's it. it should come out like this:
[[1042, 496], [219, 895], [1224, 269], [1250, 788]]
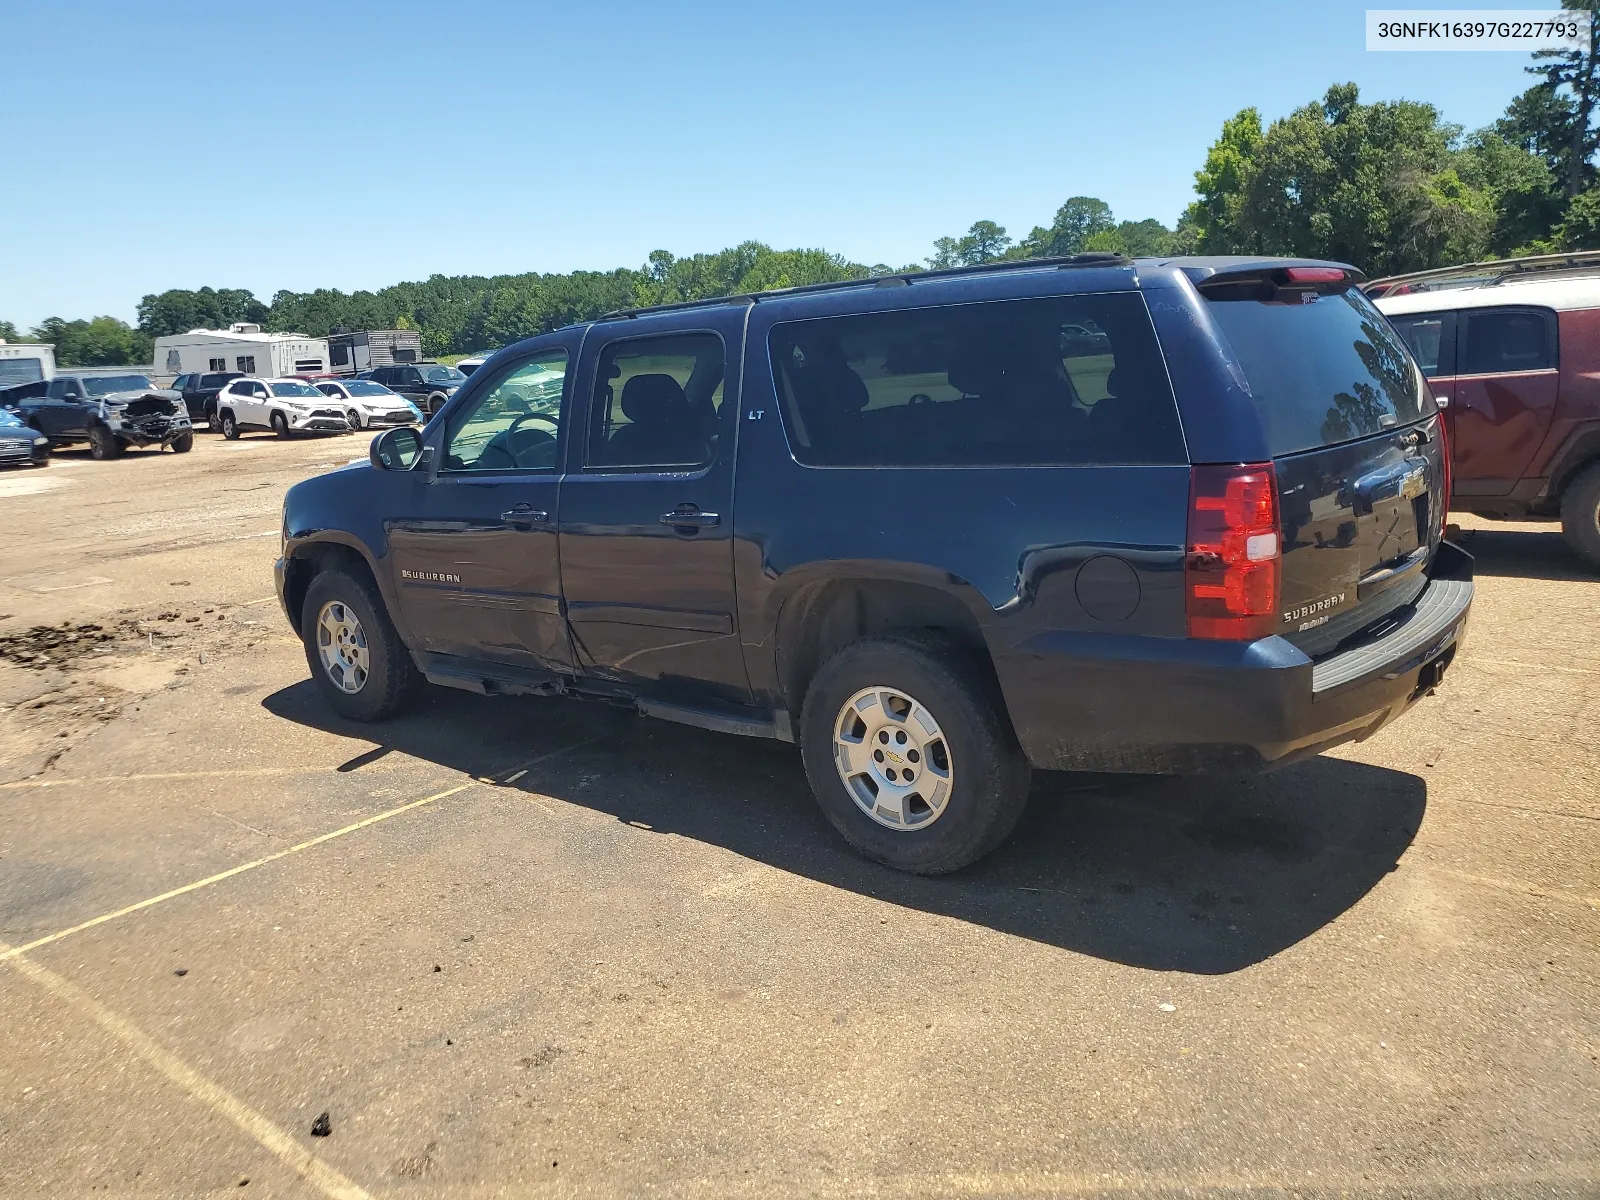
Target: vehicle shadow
[[1197, 875], [1525, 554]]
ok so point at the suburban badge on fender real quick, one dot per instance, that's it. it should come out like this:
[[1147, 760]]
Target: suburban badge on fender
[[428, 576]]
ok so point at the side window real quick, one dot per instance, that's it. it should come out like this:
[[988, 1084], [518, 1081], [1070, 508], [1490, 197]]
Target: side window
[[57, 386], [339, 354], [218, 364], [1424, 336], [1071, 379], [1505, 340], [515, 423], [656, 402], [246, 363]]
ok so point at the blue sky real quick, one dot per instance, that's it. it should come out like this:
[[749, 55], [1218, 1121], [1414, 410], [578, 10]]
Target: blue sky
[[352, 145]]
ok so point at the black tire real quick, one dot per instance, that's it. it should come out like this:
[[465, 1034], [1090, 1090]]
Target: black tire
[[103, 444], [353, 419], [213, 424], [392, 681], [991, 776], [279, 423], [183, 443], [436, 402], [1580, 514], [229, 425]]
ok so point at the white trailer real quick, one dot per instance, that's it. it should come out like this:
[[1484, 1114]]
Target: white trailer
[[242, 347], [26, 362]]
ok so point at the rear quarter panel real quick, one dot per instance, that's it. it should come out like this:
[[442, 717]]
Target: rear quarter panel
[[1008, 542], [1577, 414]]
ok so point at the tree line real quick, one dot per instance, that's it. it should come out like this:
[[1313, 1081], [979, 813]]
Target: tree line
[[1389, 186]]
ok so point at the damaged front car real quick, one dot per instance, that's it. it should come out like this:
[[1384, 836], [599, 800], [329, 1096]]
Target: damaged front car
[[111, 413]]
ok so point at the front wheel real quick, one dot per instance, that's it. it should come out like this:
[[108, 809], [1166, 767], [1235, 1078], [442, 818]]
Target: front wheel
[[280, 424], [103, 444], [230, 425], [1580, 515], [357, 660], [353, 419], [909, 752], [183, 443]]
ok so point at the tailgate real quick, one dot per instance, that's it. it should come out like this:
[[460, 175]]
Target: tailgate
[[1361, 521], [1356, 445]]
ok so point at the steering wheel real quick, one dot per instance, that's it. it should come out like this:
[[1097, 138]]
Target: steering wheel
[[525, 445], [921, 398]]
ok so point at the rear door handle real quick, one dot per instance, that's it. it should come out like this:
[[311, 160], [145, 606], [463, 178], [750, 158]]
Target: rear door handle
[[524, 514], [691, 518]]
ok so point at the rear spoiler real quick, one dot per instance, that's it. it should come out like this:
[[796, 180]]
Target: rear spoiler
[[1266, 280]]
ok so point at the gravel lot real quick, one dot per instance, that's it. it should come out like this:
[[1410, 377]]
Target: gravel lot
[[541, 947]]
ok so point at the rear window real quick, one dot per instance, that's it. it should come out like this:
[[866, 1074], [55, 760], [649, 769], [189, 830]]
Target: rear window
[[1323, 369], [1064, 380]]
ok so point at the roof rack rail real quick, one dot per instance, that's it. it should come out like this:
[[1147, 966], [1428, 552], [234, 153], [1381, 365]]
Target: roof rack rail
[[1493, 271], [894, 279]]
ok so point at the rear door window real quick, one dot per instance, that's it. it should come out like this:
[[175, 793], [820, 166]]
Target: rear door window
[[1502, 341], [1063, 380], [1322, 368], [1431, 339]]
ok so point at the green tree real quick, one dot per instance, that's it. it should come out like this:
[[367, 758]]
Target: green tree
[[8, 332], [1378, 185], [1580, 227], [101, 342], [178, 311], [1576, 72], [1520, 186], [1076, 221]]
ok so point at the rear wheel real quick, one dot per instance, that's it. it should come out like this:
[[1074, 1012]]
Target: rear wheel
[[909, 753], [1580, 514], [230, 425], [280, 424], [103, 444], [212, 423], [359, 664]]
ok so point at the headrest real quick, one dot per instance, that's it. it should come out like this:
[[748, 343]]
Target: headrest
[[655, 400], [976, 371]]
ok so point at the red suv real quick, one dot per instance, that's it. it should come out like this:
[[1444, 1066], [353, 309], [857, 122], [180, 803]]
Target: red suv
[[1512, 352]]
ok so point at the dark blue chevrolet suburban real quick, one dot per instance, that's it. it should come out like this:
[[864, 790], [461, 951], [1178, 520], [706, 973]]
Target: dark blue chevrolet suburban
[[1087, 514]]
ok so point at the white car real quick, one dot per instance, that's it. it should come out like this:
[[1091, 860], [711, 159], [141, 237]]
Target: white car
[[369, 405], [284, 406]]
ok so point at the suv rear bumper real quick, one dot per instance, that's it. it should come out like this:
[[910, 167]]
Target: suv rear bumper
[[1093, 702]]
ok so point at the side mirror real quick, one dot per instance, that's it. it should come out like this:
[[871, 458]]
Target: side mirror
[[396, 449]]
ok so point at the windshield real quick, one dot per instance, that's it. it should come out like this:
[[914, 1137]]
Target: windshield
[[442, 375], [107, 384], [365, 387], [295, 389], [1322, 370]]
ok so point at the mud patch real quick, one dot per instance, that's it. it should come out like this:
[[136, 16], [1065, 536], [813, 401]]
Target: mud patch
[[46, 646]]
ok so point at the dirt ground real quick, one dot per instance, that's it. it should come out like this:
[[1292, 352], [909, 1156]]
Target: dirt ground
[[539, 947]]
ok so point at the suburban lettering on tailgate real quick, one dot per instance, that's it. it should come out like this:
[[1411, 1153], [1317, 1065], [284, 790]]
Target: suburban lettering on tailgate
[[1312, 609]]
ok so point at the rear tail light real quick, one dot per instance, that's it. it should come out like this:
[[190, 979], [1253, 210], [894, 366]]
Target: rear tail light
[[1314, 274], [1232, 570]]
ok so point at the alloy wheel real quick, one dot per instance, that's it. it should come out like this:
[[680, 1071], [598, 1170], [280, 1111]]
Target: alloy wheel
[[342, 647], [893, 758]]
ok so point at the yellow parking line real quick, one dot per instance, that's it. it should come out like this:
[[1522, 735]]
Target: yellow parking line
[[515, 772], [231, 872], [275, 1140], [221, 773]]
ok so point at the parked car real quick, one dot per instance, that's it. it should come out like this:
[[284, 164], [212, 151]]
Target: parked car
[[110, 412], [1001, 555], [284, 406], [429, 385], [1513, 356], [199, 392], [21, 444], [470, 364], [368, 404]]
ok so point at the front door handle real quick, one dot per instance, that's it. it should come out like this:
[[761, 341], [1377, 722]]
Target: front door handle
[[687, 517], [524, 514]]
